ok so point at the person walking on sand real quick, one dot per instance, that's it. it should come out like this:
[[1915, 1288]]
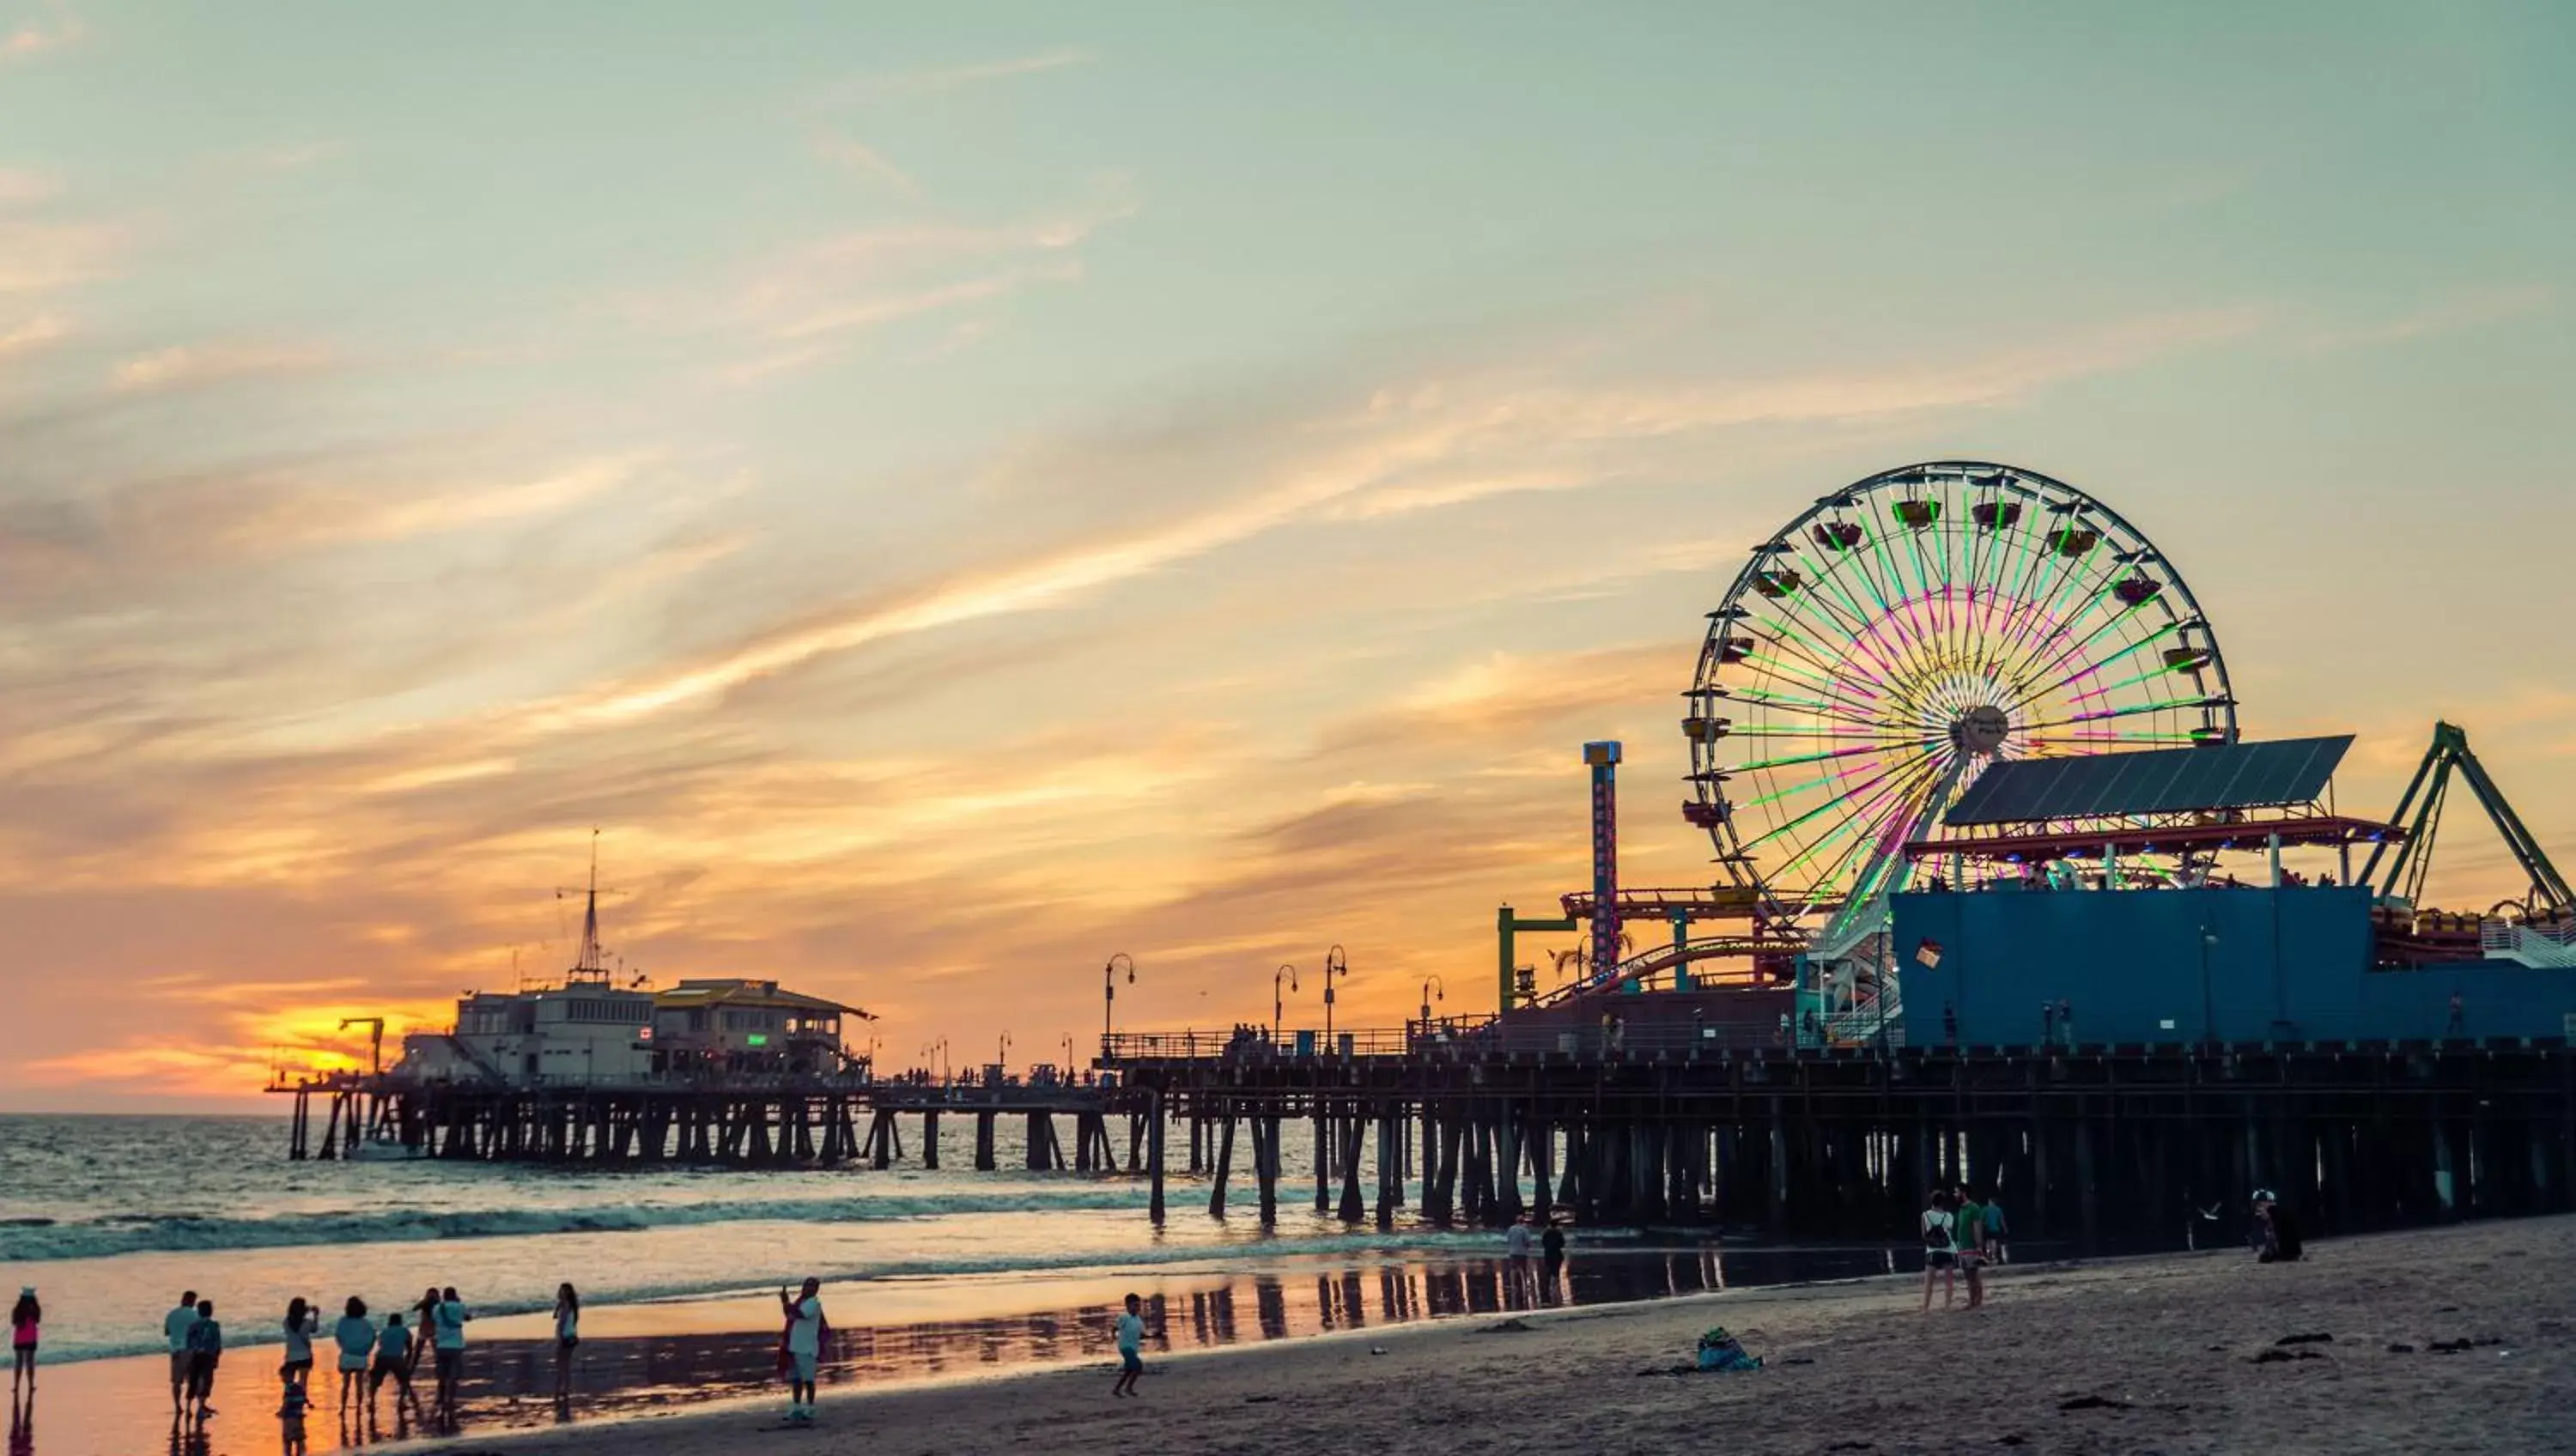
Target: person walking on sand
[[205, 1352], [1131, 1348], [1968, 1227], [567, 1335], [25, 1317], [1940, 1250], [804, 1346], [295, 1372], [356, 1337], [395, 1350], [174, 1328], [449, 1351], [1996, 1232]]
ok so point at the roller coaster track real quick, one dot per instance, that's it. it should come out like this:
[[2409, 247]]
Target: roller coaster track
[[1666, 957]]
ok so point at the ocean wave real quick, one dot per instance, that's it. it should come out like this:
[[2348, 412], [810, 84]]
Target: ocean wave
[[32, 1240]]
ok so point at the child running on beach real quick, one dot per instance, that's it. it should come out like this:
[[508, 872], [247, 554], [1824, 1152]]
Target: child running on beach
[[1131, 1348]]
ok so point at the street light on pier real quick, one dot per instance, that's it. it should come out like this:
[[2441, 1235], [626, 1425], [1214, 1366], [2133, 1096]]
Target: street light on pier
[[1336, 963], [1002, 1058], [1432, 986], [1109, 992], [1279, 1003]]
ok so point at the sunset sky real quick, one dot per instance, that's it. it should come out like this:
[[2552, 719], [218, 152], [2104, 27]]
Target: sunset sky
[[953, 492]]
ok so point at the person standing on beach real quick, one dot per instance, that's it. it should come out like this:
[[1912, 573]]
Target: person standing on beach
[[174, 1328], [1940, 1250], [205, 1352], [1968, 1228], [1131, 1348], [1516, 1259], [424, 1320], [1995, 1231], [25, 1317], [450, 1349], [1551, 1247], [395, 1352], [567, 1335], [804, 1350], [296, 1370], [356, 1338]]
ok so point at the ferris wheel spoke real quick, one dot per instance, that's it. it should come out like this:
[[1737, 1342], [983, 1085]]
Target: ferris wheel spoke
[[2095, 665], [1867, 822], [2045, 618], [1827, 807], [1822, 710], [2131, 711], [1807, 652], [2031, 668]]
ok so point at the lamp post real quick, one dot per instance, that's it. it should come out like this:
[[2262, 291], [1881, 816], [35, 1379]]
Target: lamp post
[[2208, 999], [1336, 963], [1431, 986], [1002, 1058], [1068, 1056], [1109, 992], [1278, 1002]]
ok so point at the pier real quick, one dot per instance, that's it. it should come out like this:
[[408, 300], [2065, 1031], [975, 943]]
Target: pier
[[1679, 1125]]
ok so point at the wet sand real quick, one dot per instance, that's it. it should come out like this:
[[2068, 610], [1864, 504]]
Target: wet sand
[[660, 1357], [2170, 1353]]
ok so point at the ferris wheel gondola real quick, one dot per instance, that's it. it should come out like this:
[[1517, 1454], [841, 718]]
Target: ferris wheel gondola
[[1881, 649]]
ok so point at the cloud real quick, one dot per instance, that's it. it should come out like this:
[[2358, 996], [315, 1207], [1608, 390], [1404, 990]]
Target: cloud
[[19, 186], [937, 80], [297, 156], [35, 37], [35, 333], [38, 257], [854, 155], [189, 366], [2468, 310]]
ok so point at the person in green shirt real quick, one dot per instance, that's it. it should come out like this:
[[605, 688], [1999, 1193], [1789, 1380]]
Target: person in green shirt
[[1969, 1221]]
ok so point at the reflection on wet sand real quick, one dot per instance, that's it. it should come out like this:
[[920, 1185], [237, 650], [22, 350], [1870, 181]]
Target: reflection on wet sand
[[508, 1384]]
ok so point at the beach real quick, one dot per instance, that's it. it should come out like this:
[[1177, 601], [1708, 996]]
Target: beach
[[2163, 1353]]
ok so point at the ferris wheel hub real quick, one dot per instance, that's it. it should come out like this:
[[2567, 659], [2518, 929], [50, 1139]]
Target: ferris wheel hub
[[1982, 730]]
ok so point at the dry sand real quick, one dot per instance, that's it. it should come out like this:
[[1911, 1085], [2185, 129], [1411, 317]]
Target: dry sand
[[2161, 1354]]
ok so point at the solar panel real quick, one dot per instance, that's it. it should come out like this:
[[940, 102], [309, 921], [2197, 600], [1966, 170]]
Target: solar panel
[[2158, 781]]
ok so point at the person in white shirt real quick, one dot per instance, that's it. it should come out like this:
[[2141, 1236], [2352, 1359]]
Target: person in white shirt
[[1517, 1251], [804, 1312], [1131, 1344], [449, 1349], [174, 1327], [1940, 1249]]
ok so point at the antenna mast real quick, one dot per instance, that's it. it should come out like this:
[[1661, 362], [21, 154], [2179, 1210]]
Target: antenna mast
[[591, 968]]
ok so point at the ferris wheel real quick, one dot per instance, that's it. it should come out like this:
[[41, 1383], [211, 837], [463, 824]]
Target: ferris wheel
[[1882, 648]]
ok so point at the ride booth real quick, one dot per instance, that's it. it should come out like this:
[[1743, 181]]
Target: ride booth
[[2093, 903]]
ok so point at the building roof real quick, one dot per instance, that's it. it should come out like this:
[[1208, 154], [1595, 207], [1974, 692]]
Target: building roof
[[2158, 781], [734, 992]]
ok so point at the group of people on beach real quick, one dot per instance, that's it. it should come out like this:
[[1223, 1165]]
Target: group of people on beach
[[369, 1354], [1960, 1235]]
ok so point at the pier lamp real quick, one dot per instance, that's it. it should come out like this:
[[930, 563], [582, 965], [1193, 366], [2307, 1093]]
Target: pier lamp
[[1109, 992], [1335, 964], [1002, 1058], [1279, 1003], [1432, 986]]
